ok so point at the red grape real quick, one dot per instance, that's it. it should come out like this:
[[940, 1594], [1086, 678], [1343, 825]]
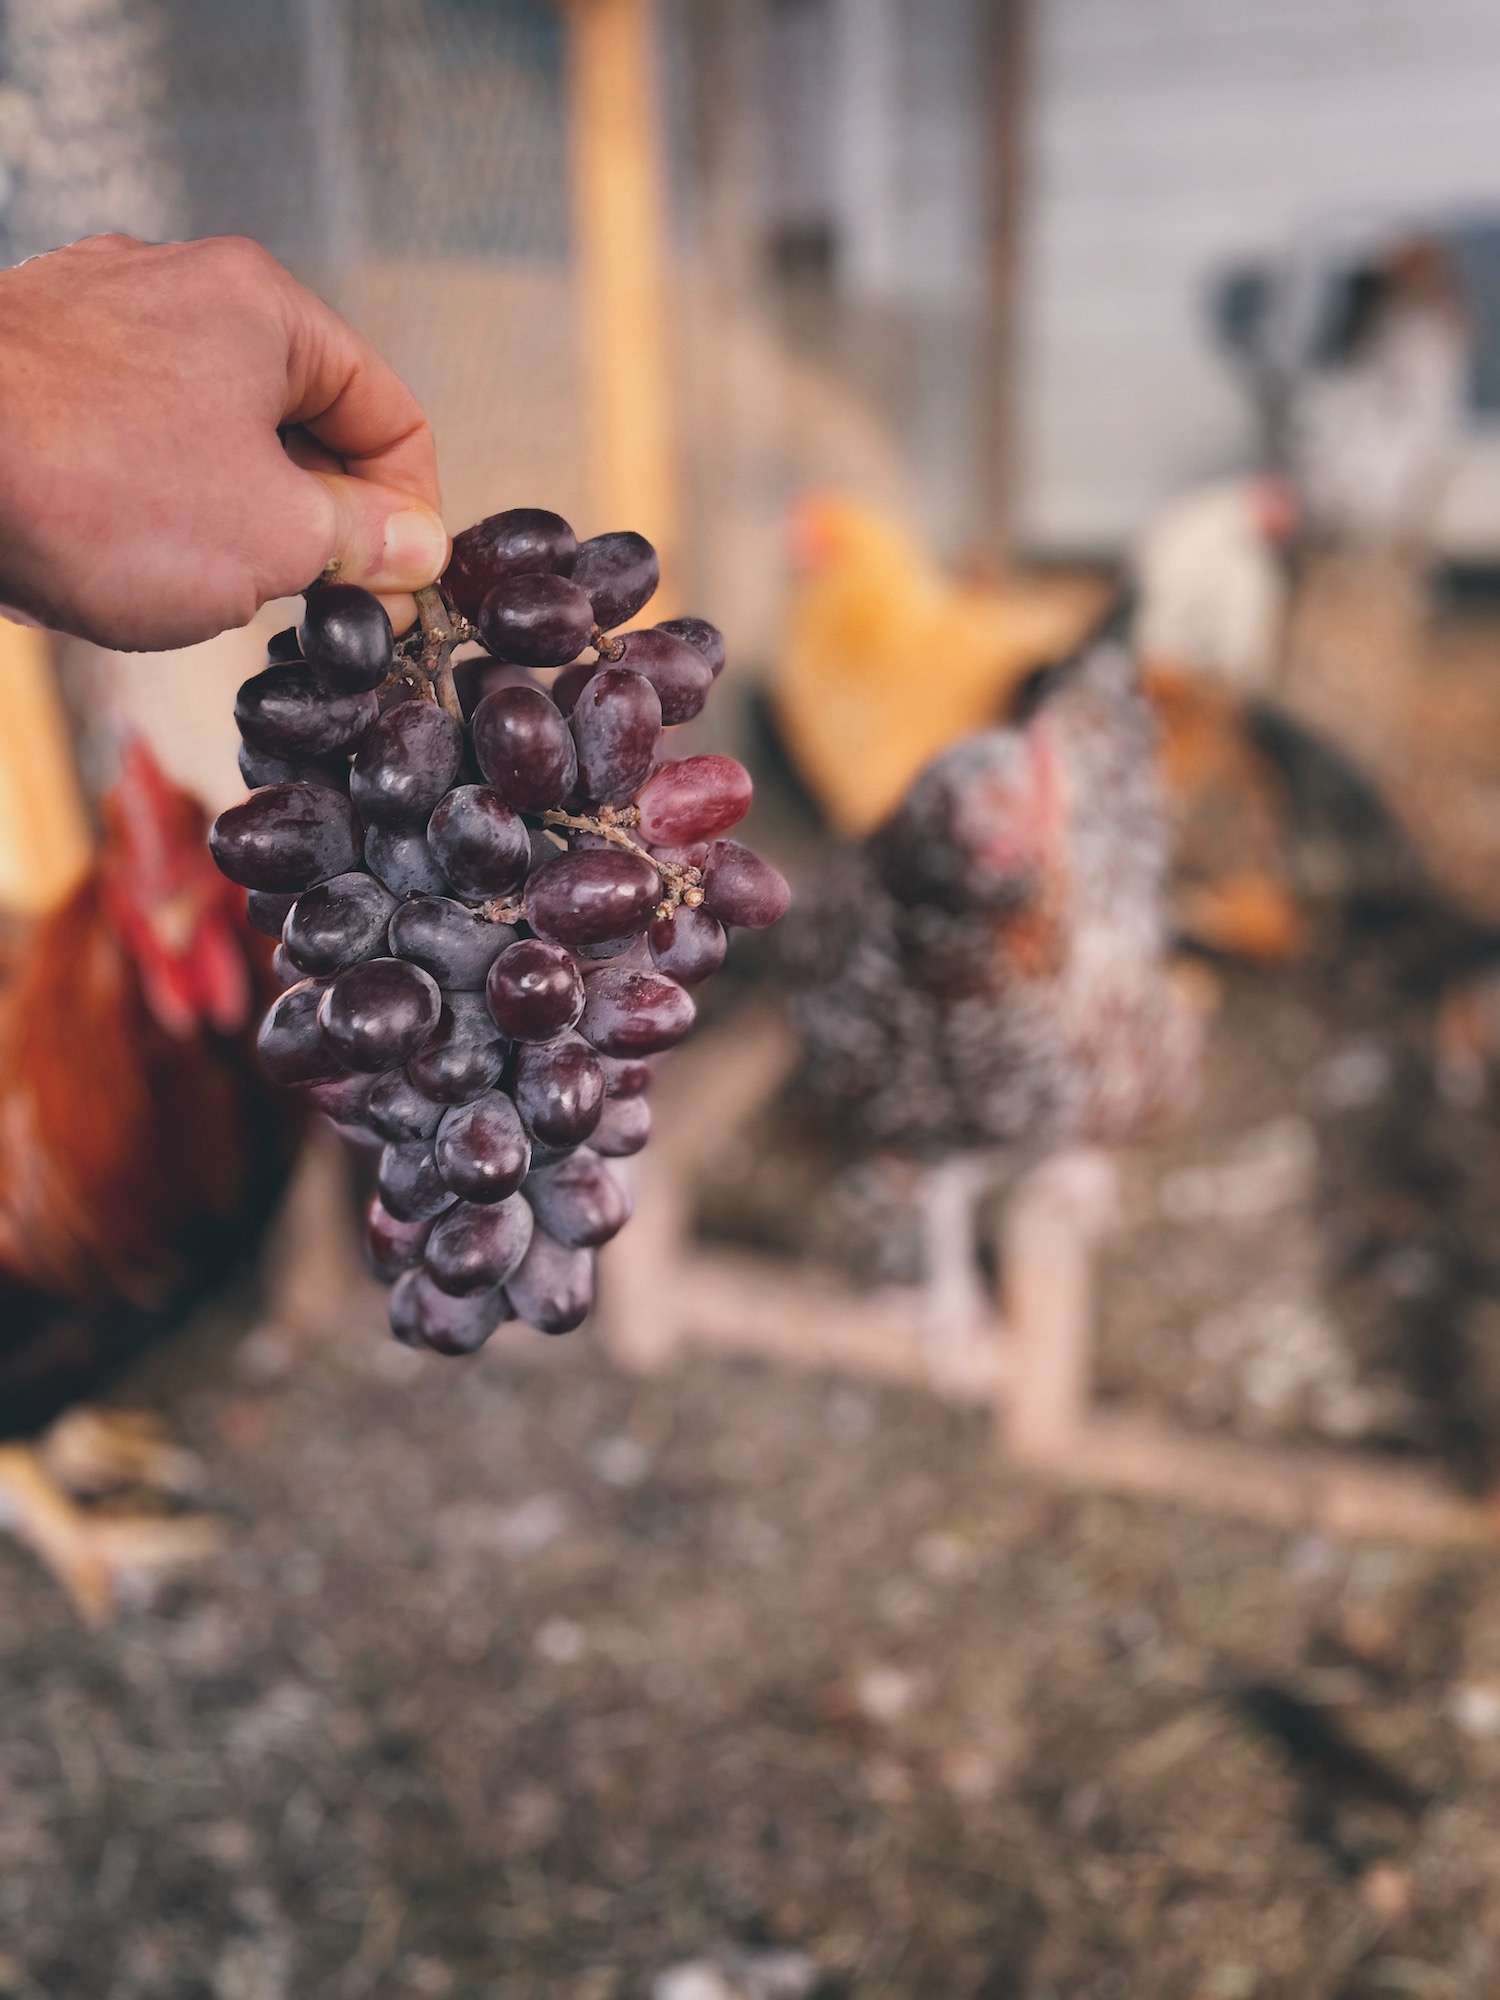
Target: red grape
[[582, 899], [508, 544], [393, 1246], [552, 1288], [534, 991], [693, 799], [481, 1149], [701, 636], [634, 1013], [570, 683], [623, 1128], [680, 675], [536, 620], [410, 1185], [740, 888], [405, 764], [689, 945], [463, 1057], [475, 1246], [619, 572], [423, 1316], [578, 1201], [480, 844], [616, 724], [559, 1090], [286, 838], [377, 1014], [525, 748]]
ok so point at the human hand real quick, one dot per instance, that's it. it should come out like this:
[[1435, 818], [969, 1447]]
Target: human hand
[[147, 499]]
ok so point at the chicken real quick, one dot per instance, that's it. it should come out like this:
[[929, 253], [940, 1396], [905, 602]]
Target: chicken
[[1210, 578], [885, 659], [985, 974], [140, 1153]]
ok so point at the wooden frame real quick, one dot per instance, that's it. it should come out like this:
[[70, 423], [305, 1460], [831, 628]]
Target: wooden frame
[[664, 1289]]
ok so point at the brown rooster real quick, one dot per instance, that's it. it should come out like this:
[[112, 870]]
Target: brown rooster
[[986, 974], [140, 1154]]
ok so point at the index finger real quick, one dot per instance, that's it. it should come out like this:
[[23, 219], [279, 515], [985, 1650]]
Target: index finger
[[352, 401]]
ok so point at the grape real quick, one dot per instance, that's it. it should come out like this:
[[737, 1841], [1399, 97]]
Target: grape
[[475, 1246], [482, 847], [579, 1202], [582, 899], [626, 1076], [410, 1185], [465, 1055], [571, 683], [536, 620], [476, 678], [552, 1288], [509, 544], [344, 1099], [482, 1150], [346, 635], [290, 1040], [283, 971], [701, 636], [690, 854], [619, 573], [398, 1111], [338, 922], [424, 1316], [534, 991], [259, 767], [405, 764], [288, 710], [740, 888], [393, 1246], [448, 940], [631, 950], [616, 725], [286, 837], [559, 1090], [680, 675], [267, 911], [284, 645], [689, 945], [402, 859], [623, 1128], [693, 799], [377, 1014], [633, 1013], [525, 748]]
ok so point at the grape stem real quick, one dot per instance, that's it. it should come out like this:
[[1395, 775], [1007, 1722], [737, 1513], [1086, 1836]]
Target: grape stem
[[442, 630], [681, 882]]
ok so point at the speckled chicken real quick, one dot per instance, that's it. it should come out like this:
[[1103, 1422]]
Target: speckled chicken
[[986, 973]]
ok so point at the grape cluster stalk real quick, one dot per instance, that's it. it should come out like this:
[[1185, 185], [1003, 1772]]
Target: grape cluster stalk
[[493, 893]]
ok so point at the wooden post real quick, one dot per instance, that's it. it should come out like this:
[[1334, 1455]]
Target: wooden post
[[1006, 64], [619, 219], [45, 837]]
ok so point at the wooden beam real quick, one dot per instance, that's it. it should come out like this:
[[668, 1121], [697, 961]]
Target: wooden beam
[[620, 232], [45, 837], [1007, 29]]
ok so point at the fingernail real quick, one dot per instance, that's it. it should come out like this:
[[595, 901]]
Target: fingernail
[[416, 547]]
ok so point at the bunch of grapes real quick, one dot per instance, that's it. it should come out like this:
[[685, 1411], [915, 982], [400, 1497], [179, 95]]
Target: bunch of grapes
[[491, 910]]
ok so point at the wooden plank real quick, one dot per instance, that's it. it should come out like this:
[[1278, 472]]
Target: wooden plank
[[45, 837]]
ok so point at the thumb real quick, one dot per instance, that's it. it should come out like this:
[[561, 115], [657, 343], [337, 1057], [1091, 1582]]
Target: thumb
[[378, 537]]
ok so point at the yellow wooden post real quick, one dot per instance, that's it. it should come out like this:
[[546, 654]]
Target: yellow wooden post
[[44, 829], [619, 219]]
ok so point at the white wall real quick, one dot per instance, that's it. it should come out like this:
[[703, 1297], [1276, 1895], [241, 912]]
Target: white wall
[[1170, 137]]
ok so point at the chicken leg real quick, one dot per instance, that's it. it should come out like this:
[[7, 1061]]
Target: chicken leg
[[958, 1315], [92, 1550]]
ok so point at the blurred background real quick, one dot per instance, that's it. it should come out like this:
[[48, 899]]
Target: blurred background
[[738, 1649]]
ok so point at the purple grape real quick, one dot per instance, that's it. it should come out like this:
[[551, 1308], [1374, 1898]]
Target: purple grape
[[448, 940], [284, 645], [259, 767], [346, 635], [582, 899], [623, 1128], [402, 859], [616, 725], [481, 845], [465, 1055], [344, 1099], [559, 1090], [534, 991], [627, 1076], [409, 1183], [634, 1013], [400, 1112], [619, 572], [378, 1013], [680, 675], [591, 958], [740, 888], [578, 1201], [570, 684], [693, 799], [513, 543], [405, 764], [476, 678], [338, 922], [392, 1246], [482, 1150], [289, 711], [701, 636], [525, 748], [283, 971], [689, 945], [267, 911], [536, 620], [475, 1246], [290, 1040], [552, 1288], [286, 837], [423, 1316]]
